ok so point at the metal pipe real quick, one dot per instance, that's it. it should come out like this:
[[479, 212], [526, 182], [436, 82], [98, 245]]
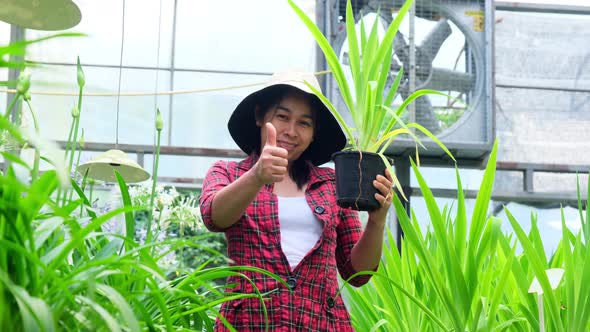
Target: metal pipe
[[541, 87], [172, 68], [412, 55], [541, 7]]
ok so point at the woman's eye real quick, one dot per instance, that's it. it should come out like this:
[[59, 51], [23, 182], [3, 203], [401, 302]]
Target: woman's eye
[[305, 124], [281, 116]]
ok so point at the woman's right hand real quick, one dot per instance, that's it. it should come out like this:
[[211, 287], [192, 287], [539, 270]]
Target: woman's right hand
[[272, 165]]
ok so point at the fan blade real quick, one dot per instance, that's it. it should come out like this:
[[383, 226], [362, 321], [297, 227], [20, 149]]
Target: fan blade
[[435, 38], [400, 48], [345, 59], [449, 80], [425, 114], [424, 111]]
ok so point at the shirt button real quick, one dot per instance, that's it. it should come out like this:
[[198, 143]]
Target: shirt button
[[292, 282], [319, 209], [330, 302]]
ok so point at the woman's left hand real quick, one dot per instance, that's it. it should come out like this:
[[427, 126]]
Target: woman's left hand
[[384, 185]]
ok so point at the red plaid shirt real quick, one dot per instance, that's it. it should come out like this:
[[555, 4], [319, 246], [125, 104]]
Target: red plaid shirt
[[255, 240]]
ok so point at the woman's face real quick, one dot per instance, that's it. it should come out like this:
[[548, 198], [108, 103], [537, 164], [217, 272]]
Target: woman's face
[[293, 122]]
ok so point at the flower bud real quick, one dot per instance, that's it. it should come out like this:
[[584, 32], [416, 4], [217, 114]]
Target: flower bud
[[23, 83], [159, 121], [27, 96], [75, 112], [81, 140], [80, 75]]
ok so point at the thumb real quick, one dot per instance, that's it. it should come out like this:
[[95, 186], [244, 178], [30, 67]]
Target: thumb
[[271, 134]]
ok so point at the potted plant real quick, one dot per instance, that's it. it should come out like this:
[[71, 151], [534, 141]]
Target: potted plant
[[375, 123]]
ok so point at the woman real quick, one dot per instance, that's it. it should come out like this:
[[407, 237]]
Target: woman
[[278, 211]]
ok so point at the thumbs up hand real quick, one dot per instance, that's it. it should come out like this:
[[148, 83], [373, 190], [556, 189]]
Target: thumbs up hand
[[272, 165]]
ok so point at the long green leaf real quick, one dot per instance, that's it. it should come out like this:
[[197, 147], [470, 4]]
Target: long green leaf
[[478, 217], [82, 196], [14, 159], [108, 319], [335, 113], [129, 219], [460, 221], [370, 107], [416, 301], [353, 49], [387, 42], [538, 267], [498, 292], [386, 135], [407, 101], [121, 304], [428, 264], [433, 138], [451, 262], [330, 55], [79, 238], [393, 89], [35, 313]]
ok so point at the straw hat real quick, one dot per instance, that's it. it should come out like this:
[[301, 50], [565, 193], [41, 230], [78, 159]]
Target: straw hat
[[328, 137], [41, 15], [103, 168]]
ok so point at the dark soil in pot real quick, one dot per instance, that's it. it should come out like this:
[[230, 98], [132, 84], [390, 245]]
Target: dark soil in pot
[[355, 173]]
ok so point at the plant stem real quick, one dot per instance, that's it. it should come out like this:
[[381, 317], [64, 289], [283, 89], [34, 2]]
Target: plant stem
[[4, 256], [90, 191], [70, 137], [67, 150], [37, 153], [154, 180], [77, 163], [74, 142], [11, 106]]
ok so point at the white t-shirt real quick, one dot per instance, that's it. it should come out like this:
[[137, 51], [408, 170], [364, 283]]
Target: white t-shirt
[[300, 228]]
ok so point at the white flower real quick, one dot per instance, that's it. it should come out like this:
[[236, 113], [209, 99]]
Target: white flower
[[164, 218], [169, 261], [187, 214], [164, 200]]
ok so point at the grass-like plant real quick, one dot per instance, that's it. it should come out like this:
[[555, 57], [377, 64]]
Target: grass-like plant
[[568, 307], [465, 274], [60, 269], [451, 278], [376, 125]]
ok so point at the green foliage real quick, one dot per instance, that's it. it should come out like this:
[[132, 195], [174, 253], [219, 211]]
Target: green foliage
[[464, 274], [8, 53], [567, 308], [177, 215], [61, 268], [366, 100], [376, 125]]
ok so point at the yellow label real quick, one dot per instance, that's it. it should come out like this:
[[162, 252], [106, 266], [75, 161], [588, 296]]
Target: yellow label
[[478, 19]]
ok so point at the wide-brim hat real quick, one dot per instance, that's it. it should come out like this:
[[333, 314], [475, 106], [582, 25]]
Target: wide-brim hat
[[328, 136], [103, 168], [50, 15]]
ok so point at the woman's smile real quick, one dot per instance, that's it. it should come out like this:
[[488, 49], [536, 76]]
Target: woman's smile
[[289, 146]]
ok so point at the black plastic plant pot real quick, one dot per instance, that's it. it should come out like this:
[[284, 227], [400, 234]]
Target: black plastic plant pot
[[355, 173]]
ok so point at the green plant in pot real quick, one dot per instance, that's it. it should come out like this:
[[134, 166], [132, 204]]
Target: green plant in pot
[[376, 125]]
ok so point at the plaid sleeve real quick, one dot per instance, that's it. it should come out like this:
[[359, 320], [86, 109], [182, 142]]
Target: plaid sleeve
[[349, 232], [217, 178]]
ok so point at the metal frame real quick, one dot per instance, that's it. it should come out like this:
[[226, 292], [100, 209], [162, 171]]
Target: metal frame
[[540, 87], [527, 195], [16, 34], [541, 7]]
